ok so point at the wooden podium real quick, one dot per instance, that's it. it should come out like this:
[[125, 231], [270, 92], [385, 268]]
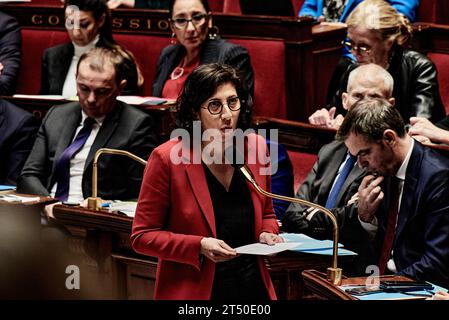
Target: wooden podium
[[100, 242], [316, 282]]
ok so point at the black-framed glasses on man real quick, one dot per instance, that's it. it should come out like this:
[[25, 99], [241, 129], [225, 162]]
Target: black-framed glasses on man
[[363, 50], [197, 20], [216, 106]]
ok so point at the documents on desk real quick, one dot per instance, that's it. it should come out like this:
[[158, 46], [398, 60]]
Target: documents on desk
[[137, 100], [126, 207], [4, 189], [12, 198], [314, 246], [263, 249], [382, 295], [45, 97]]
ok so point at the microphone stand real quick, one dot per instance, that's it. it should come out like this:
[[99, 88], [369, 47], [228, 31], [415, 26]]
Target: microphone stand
[[94, 202], [333, 273]]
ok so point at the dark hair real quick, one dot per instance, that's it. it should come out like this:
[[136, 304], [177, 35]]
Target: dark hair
[[201, 84], [100, 56], [171, 4], [370, 118], [97, 8]]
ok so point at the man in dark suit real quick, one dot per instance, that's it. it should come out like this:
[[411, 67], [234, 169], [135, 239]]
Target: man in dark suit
[[365, 82], [403, 202], [10, 48], [113, 124], [18, 130]]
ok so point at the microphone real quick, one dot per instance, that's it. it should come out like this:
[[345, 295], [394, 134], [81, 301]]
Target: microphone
[[237, 160], [94, 202]]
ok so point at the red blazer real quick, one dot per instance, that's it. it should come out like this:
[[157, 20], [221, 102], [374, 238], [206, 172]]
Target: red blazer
[[175, 212]]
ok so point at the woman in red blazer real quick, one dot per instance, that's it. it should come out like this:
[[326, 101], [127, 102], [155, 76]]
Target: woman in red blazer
[[193, 211]]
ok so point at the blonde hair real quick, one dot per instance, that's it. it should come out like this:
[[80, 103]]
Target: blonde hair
[[380, 16]]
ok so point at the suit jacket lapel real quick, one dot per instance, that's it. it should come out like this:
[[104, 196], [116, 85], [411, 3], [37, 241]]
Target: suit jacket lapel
[[72, 120], [197, 179], [104, 134], [64, 60], [170, 63], [328, 179], [411, 179]]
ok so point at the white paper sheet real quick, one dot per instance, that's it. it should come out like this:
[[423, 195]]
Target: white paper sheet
[[264, 249]]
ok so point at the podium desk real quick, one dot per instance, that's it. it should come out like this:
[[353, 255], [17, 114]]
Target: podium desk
[[99, 242], [316, 282]]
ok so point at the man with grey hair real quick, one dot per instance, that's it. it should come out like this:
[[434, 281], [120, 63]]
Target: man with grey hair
[[402, 202], [365, 81], [334, 178]]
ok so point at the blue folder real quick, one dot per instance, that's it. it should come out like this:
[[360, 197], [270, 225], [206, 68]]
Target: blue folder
[[311, 245]]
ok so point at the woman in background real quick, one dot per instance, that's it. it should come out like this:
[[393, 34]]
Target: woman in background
[[88, 29], [191, 24], [378, 34], [191, 215]]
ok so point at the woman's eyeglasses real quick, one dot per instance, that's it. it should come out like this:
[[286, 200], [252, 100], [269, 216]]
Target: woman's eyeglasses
[[197, 21], [362, 50], [216, 106]]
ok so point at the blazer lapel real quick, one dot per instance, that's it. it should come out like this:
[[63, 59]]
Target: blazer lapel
[[72, 120], [170, 63], [355, 173], [411, 179], [64, 60], [197, 179]]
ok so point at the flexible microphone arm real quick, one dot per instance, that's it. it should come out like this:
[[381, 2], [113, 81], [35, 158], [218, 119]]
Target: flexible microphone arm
[[94, 202], [333, 273]]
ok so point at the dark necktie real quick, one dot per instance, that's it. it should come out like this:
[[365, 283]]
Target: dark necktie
[[393, 210], [333, 195], [62, 169]]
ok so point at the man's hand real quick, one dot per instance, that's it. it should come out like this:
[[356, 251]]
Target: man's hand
[[425, 131], [336, 123], [270, 238], [216, 250], [323, 117], [370, 197], [1, 68]]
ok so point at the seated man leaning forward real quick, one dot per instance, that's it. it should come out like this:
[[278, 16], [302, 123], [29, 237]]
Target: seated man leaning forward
[[334, 178], [366, 81], [60, 163], [402, 203]]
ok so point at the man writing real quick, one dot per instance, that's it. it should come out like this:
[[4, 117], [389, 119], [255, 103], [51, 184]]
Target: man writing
[[60, 163]]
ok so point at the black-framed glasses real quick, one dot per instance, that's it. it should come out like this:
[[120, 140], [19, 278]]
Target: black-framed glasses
[[363, 50], [197, 20], [216, 106]]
